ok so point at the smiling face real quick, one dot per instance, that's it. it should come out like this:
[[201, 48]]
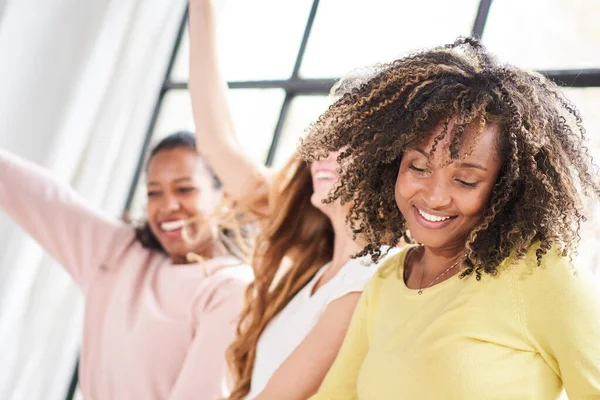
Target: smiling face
[[324, 178], [443, 203], [179, 187]]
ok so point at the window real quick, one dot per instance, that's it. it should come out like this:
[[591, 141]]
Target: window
[[354, 33], [281, 64], [282, 57], [546, 35]]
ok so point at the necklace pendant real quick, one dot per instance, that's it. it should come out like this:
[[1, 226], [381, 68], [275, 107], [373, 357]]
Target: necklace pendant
[[420, 291]]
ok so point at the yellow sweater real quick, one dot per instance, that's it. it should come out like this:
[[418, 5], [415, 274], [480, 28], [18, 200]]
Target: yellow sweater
[[521, 334]]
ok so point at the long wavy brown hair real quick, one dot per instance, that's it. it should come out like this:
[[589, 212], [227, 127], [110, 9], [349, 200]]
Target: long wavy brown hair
[[546, 171], [295, 233]]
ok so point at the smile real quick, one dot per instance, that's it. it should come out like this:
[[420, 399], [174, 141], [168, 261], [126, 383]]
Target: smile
[[432, 221], [431, 217], [324, 175], [172, 225]]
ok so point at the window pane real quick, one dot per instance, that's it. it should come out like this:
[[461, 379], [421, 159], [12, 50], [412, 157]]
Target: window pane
[[587, 100], [348, 34], [543, 34], [303, 111], [255, 114], [258, 40]]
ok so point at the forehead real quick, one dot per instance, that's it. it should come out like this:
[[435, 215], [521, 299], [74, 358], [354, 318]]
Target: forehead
[[476, 143], [173, 163]]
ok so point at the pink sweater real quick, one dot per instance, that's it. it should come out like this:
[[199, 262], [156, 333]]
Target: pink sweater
[[152, 330]]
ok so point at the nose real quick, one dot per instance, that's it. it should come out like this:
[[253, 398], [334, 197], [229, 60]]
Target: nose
[[436, 193], [170, 203]]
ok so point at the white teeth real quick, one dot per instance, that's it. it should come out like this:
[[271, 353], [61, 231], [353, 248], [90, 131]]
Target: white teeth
[[324, 175], [172, 225], [432, 218]]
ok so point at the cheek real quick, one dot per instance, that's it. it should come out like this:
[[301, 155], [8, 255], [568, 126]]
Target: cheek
[[151, 208], [406, 188], [151, 217], [473, 204], [203, 203]]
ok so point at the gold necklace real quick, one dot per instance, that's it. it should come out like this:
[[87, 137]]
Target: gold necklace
[[437, 278]]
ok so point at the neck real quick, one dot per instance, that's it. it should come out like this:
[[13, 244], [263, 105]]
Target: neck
[[437, 260], [344, 247]]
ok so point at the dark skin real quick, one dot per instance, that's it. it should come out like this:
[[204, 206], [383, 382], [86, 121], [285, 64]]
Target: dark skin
[[180, 187], [443, 203], [546, 169]]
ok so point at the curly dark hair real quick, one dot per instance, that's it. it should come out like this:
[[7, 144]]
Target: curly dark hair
[[546, 168]]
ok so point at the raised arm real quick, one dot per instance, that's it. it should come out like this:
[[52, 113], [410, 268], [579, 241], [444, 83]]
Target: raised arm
[[215, 133], [79, 237]]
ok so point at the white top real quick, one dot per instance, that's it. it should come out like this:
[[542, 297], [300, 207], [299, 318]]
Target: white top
[[285, 332]]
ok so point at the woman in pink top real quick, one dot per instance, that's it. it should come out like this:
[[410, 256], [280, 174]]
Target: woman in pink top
[[156, 326]]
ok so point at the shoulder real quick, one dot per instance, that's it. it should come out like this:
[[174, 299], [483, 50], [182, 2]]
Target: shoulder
[[223, 289], [125, 245], [364, 267], [556, 294], [357, 269], [356, 275], [230, 280], [392, 266], [242, 273], [555, 286], [555, 273]]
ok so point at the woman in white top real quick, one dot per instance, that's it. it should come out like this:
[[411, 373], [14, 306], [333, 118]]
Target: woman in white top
[[298, 309]]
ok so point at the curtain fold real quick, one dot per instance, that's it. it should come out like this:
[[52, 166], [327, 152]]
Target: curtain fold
[[78, 84]]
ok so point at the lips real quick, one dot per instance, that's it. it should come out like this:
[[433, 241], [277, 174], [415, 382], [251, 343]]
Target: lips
[[324, 175], [172, 225], [434, 221], [172, 229]]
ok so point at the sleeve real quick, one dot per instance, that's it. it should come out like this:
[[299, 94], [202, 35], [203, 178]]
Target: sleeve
[[78, 237], [561, 317], [356, 276], [340, 381], [204, 372]]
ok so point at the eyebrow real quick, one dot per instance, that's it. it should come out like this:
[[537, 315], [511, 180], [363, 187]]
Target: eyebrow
[[178, 180], [471, 165], [421, 151], [461, 164]]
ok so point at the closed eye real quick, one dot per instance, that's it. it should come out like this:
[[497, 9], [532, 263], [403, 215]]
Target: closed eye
[[153, 193], [185, 189], [467, 184], [420, 170]]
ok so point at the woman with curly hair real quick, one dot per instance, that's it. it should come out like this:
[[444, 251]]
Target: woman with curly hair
[[157, 323], [482, 166], [306, 288]]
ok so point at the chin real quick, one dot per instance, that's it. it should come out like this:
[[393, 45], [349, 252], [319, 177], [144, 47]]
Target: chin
[[175, 249], [427, 240], [317, 200], [436, 239]]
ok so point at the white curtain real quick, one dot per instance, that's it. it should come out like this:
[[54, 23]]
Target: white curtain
[[78, 82]]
